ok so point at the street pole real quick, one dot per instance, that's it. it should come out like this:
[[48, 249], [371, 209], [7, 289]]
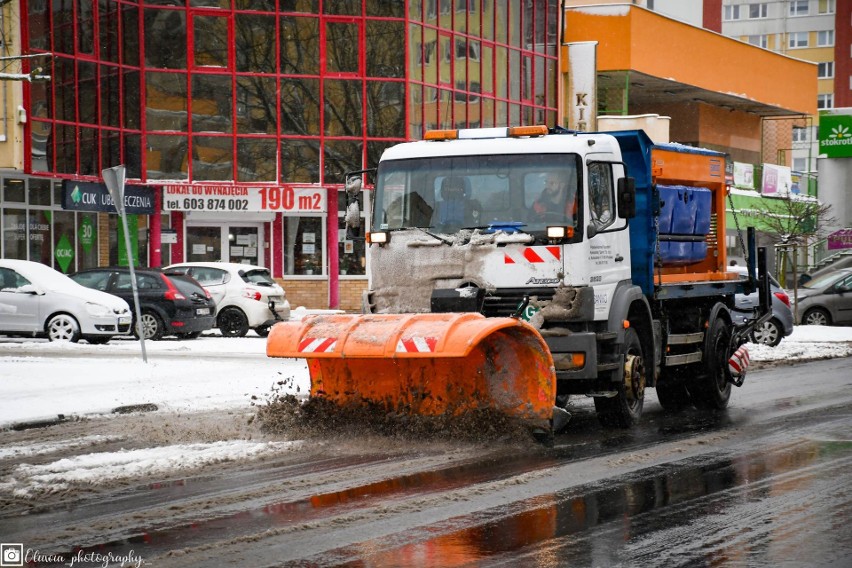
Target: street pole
[[114, 179]]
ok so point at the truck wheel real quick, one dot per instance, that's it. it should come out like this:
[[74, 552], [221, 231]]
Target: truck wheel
[[625, 408], [711, 390], [672, 392]]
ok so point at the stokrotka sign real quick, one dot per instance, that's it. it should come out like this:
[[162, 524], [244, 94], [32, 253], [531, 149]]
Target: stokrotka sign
[[835, 134]]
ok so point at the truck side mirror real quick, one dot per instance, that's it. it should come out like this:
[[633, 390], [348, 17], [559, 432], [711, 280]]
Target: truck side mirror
[[626, 198]]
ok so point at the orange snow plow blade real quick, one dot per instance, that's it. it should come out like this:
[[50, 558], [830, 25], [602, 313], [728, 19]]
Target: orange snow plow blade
[[424, 364]]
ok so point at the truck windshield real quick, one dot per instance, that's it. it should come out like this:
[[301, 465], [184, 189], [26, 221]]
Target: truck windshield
[[452, 193]]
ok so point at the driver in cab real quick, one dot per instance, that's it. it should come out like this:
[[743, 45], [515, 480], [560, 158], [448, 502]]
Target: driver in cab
[[556, 201]]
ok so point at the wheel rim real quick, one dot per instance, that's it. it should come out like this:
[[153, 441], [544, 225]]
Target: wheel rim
[[634, 380], [149, 325], [767, 334], [62, 328], [231, 323], [816, 318]]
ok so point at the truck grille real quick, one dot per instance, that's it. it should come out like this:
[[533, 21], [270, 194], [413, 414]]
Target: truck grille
[[504, 302]]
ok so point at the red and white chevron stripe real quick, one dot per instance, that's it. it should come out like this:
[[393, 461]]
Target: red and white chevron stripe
[[317, 345], [533, 255], [416, 345], [739, 362]]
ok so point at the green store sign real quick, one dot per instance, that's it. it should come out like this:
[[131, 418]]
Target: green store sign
[[835, 135], [64, 253]]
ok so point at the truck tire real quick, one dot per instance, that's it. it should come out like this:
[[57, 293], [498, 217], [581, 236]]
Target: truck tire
[[625, 408], [711, 390], [672, 392]]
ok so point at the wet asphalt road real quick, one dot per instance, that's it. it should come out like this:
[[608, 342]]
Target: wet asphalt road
[[766, 483]]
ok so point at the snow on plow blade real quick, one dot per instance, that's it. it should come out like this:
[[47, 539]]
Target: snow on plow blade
[[424, 364]]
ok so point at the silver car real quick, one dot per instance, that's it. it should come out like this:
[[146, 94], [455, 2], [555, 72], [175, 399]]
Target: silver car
[[38, 301], [776, 328], [826, 299]]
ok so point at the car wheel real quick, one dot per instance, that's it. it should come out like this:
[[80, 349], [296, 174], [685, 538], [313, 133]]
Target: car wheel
[[63, 327], [152, 326], [263, 330], [768, 334], [232, 322], [816, 316], [98, 339]]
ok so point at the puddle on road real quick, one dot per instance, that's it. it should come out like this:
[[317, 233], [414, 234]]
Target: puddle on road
[[575, 522]]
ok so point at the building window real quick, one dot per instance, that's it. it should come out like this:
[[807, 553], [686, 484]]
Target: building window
[[798, 39], [759, 40], [756, 11], [825, 38], [825, 101], [800, 134], [798, 8], [800, 164], [825, 70], [732, 12], [826, 7]]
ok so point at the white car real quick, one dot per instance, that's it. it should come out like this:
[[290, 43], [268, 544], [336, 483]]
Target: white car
[[246, 295], [38, 301]]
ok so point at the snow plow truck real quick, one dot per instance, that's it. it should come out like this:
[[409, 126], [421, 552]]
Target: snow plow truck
[[512, 268]]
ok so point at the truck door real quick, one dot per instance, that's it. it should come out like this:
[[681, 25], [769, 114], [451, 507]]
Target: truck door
[[609, 242]]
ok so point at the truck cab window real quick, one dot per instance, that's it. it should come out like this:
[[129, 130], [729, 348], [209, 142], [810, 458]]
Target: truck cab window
[[601, 195]]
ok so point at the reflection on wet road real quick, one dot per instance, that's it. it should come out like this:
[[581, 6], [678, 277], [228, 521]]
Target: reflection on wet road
[[787, 502]]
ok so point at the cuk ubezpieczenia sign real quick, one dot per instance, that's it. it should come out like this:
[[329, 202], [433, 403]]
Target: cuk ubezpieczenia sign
[[88, 196], [835, 133]]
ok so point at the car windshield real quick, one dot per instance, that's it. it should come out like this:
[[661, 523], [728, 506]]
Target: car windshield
[[462, 192], [824, 280], [259, 276]]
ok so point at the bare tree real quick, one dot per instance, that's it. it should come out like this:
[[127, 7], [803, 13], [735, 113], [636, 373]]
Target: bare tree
[[793, 222]]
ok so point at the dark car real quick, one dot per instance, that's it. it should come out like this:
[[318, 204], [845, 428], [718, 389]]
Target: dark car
[[170, 304], [826, 299]]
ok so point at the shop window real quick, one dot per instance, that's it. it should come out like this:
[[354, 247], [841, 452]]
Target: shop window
[[341, 156], [254, 37], [212, 158], [343, 108], [165, 38], [385, 48], [300, 53], [351, 251], [211, 103], [256, 159], [342, 46], [14, 233], [64, 253], [304, 241], [86, 240], [300, 106], [306, 6], [39, 241], [300, 161], [14, 190], [254, 113], [167, 157]]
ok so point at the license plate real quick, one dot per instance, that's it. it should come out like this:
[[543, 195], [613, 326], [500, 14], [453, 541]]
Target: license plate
[[124, 320], [202, 311]]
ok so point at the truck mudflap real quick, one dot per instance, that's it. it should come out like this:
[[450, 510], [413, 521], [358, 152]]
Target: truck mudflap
[[424, 364]]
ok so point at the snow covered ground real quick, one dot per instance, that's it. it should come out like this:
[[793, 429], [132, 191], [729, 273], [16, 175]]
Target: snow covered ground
[[40, 380]]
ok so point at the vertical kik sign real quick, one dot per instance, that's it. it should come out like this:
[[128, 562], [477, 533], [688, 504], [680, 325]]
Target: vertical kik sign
[[582, 86]]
